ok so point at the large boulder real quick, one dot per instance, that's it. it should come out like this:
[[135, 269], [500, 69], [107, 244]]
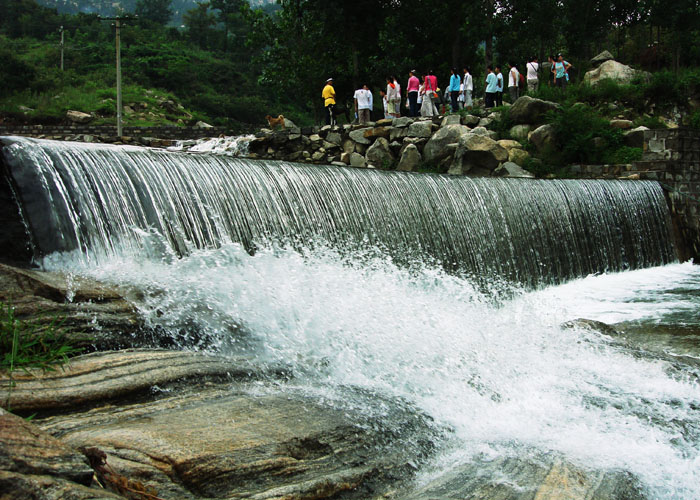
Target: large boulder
[[78, 117], [436, 148], [477, 155], [422, 128], [612, 70], [601, 58], [379, 154], [410, 159], [530, 110], [544, 139]]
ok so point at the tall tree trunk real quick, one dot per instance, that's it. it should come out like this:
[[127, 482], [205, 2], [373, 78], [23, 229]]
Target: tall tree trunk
[[456, 41]]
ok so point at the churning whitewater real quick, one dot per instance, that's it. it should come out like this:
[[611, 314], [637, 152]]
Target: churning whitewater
[[498, 376], [448, 294]]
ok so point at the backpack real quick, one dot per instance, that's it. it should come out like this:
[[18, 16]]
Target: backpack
[[522, 80]]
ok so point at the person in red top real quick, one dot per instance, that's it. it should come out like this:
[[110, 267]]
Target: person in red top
[[412, 92], [430, 85]]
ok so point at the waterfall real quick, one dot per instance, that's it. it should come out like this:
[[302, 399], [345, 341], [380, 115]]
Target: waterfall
[[106, 200]]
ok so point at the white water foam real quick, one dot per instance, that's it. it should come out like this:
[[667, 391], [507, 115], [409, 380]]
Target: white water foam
[[502, 375], [228, 145]]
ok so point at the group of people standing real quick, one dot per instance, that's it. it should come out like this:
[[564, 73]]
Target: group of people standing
[[423, 95]]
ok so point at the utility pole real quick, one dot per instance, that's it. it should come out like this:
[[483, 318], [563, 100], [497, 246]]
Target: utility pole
[[61, 31], [117, 25]]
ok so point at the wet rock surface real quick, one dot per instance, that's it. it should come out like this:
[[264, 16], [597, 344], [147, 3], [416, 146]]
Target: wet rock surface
[[93, 316], [538, 478]]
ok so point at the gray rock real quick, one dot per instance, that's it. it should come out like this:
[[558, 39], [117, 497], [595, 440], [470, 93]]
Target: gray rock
[[510, 169], [621, 124], [43, 487], [25, 109], [544, 139], [402, 122], [591, 324], [345, 158], [527, 478], [422, 128], [477, 155], [436, 147], [483, 131], [201, 124], [529, 110], [357, 160], [635, 138], [398, 133], [315, 138], [520, 132], [26, 449], [410, 159], [518, 156], [289, 124], [348, 146], [451, 120], [359, 137], [318, 156], [613, 70], [601, 58], [334, 138], [485, 122], [509, 144], [470, 120], [80, 117], [379, 154]]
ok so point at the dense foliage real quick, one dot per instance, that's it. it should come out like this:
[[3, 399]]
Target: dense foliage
[[230, 64]]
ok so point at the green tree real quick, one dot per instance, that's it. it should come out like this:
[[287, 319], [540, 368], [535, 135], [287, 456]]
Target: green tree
[[199, 23], [156, 11]]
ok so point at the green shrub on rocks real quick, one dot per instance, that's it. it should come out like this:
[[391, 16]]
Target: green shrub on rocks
[[584, 136]]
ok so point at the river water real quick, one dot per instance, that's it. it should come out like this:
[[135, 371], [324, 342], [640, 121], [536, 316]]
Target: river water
[[492, 367], [445, 293]]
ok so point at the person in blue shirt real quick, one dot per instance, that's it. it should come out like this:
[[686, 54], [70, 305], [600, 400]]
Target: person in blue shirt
[[491, 88], [499, 93], [561, 71], [454, 88]]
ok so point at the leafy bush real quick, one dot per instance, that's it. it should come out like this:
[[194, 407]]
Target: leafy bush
[[650, 122], [576, 127], [694, 121]]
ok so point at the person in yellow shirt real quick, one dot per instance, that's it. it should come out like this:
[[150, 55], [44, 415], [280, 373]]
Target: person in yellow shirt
[[328, 96]]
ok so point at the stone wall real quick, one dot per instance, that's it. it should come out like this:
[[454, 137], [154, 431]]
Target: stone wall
[[460, 145], [108, 133], [672, 157]]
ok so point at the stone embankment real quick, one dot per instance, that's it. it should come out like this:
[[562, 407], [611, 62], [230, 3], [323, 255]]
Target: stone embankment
[[457, 144]]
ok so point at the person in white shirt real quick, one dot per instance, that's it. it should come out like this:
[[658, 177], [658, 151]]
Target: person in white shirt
[[363, 104], [513, 83], [468, 85], [533, 81]]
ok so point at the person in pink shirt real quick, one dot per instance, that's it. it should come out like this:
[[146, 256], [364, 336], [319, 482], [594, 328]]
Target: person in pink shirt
[[412, 92]]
